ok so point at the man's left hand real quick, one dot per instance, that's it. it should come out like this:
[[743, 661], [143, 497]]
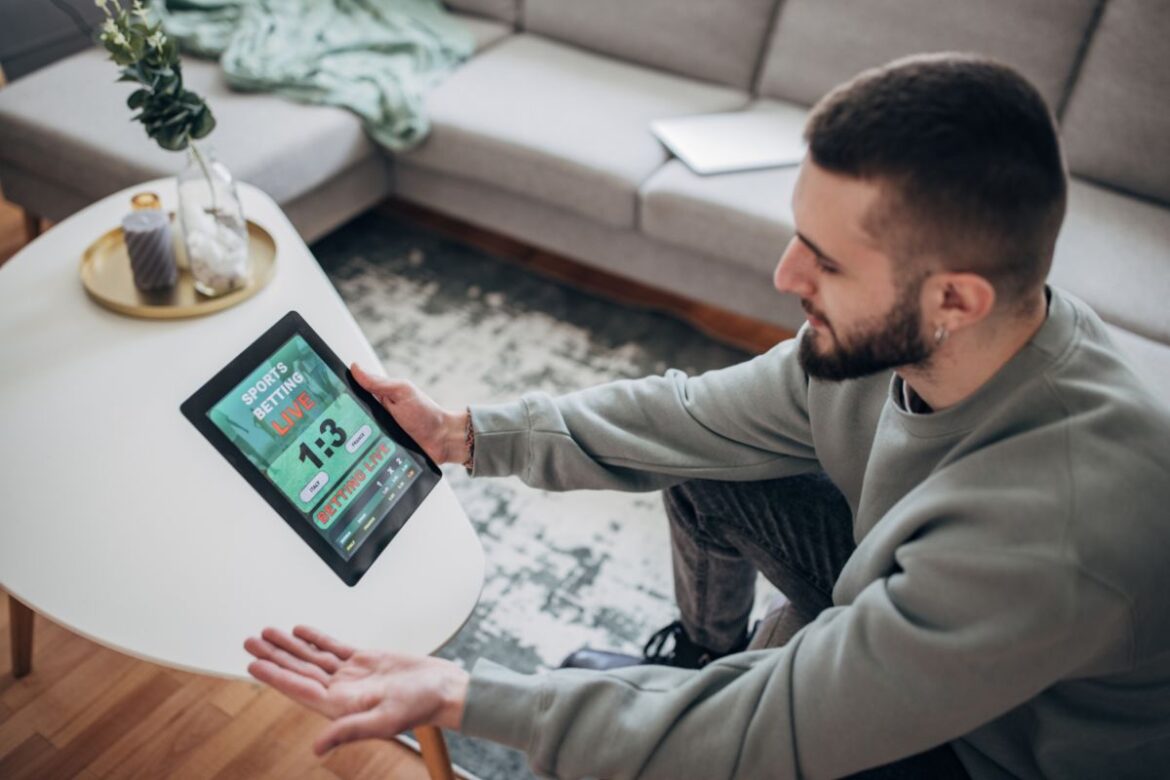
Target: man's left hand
[[367, 694]]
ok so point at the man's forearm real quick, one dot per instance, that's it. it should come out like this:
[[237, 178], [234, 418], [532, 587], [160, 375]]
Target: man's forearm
[[744, 422]]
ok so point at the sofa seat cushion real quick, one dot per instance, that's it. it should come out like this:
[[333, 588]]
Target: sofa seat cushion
[[558, 124], [745, 217], [1112, 253], [69, 124]]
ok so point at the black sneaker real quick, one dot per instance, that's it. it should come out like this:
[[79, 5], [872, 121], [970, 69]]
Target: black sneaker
[[669, 646]]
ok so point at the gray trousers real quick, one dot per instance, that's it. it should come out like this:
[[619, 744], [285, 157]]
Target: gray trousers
[[797, 532]]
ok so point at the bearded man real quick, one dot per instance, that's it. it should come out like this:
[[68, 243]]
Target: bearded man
[[956, 481]]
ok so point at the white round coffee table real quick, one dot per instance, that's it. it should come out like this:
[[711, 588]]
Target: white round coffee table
[[123, 524]]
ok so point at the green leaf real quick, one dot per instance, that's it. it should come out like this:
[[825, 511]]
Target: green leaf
[[173, 143], [137, 98], [132, 72], [204, 124], [191, 100], [153, 110], [179, 117], [165, 82]]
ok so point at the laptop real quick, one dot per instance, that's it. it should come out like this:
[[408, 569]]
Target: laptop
[[736, 141]]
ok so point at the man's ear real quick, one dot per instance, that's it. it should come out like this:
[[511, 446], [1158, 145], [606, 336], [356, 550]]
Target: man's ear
[[955, 301]]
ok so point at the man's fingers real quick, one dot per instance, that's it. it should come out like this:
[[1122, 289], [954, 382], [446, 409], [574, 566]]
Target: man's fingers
[[265, 650], [298, 688], [305, 650], [371, 724], [363, 377], [324, 641], [393, 390]]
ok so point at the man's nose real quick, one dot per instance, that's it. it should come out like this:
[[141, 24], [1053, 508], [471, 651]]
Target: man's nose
[[795, 273]]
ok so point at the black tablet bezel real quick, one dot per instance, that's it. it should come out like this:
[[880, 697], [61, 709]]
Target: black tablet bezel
[[197, 406]]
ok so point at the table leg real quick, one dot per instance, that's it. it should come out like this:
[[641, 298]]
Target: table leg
[[32, 226], [434, 753], [20, 627]]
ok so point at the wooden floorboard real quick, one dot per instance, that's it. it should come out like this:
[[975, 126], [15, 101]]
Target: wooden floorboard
[[24, 760], [145, 745]]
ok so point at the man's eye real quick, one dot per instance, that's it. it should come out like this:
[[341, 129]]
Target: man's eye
[[825, 267]]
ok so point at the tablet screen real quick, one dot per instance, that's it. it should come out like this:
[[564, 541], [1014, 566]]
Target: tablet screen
[[297, 422]]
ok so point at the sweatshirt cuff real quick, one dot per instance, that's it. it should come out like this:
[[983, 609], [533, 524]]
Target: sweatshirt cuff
[[501, 439], [501, 705]]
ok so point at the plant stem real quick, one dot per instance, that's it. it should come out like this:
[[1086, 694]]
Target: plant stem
[[206, 175]]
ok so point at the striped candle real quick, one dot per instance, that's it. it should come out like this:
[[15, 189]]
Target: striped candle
[[152, 255]]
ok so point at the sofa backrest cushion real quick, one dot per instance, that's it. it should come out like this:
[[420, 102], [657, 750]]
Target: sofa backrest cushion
[[818, 44], [719, 42], [505, 10], [1116, 127]]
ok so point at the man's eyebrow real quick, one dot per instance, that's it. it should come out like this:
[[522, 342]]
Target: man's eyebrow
[[816, 249]]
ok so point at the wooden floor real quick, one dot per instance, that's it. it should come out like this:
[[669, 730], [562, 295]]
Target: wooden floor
[[89, 712]]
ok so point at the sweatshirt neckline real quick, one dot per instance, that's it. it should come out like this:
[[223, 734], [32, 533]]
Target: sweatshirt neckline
[[1050, 341]]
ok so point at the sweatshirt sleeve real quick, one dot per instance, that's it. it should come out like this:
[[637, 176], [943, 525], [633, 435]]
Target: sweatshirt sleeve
[[746, 422], [920, 657]]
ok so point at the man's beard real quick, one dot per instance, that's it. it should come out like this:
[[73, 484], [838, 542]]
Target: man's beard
[[879, 344]]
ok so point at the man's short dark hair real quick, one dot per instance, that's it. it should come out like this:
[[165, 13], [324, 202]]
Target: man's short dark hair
[[969, 151]]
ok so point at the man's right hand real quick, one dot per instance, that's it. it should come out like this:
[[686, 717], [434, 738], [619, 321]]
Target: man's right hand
[[440, 432]]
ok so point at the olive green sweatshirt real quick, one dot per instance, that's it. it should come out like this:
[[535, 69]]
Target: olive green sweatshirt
[[1009, 591]]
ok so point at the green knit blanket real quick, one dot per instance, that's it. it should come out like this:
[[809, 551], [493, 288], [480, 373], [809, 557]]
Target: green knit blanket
[[377, 58]]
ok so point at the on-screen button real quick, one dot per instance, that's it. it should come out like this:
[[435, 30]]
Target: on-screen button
[[314, 487], [358, 439]]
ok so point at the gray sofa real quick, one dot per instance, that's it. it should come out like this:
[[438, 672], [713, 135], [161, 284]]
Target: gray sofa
[[543, 135]]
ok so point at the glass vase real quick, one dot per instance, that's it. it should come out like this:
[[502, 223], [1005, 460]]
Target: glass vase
[[215, 235]]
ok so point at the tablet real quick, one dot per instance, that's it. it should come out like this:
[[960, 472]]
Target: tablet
[[291, 419]]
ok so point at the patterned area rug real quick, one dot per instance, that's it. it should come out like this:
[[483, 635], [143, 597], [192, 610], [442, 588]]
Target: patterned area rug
[[563, 569]]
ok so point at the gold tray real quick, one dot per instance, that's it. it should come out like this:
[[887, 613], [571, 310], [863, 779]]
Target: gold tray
[[105, 272]]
